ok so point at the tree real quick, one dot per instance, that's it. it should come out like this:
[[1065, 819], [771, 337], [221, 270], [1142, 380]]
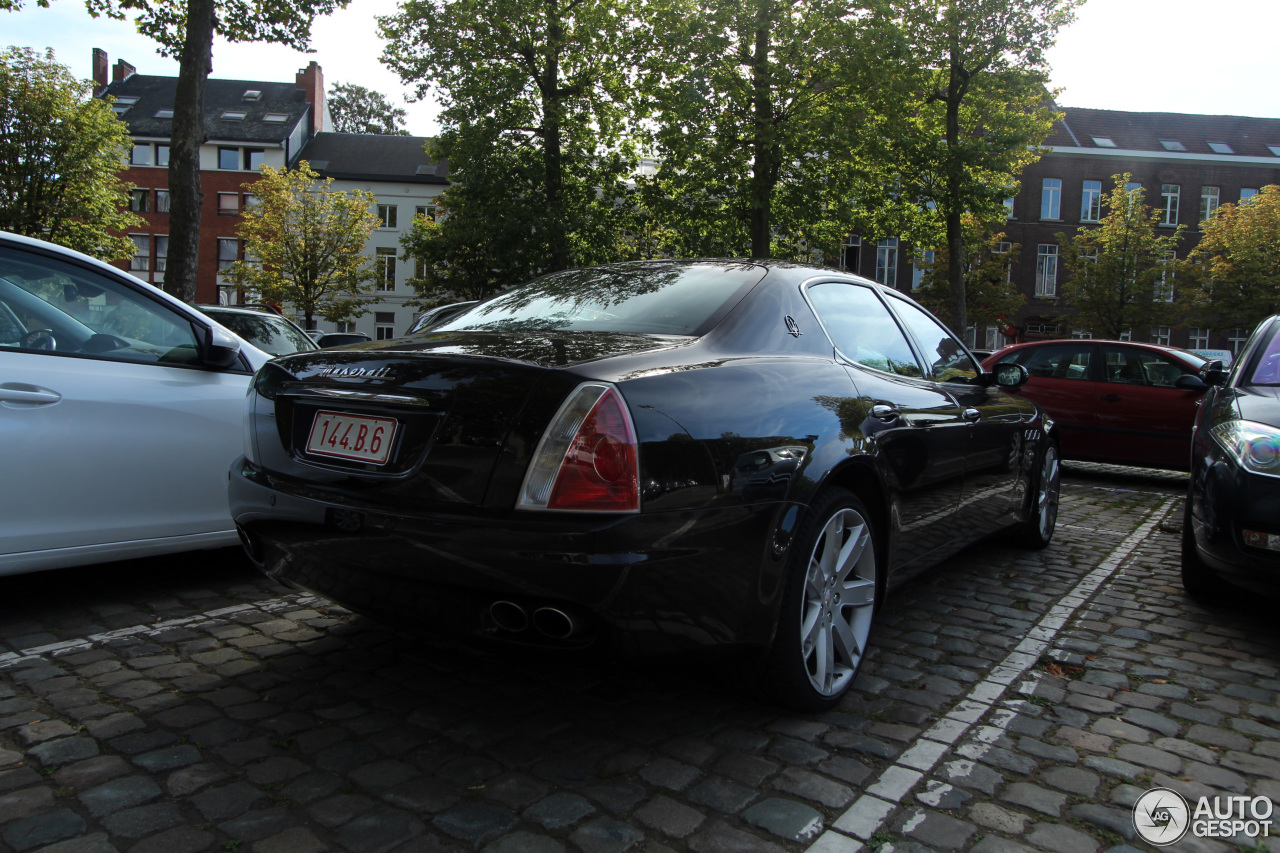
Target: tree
[[306, 241], [185, 29], [991, 299], [61, 152], [534, 91], [764, 113], [1236, 264], [1119, 271], [982, 110], [356, 109]]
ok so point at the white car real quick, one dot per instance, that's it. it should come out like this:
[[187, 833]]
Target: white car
[[121, 409]]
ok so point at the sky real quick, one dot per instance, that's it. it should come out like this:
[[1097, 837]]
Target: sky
[[1138, 55]]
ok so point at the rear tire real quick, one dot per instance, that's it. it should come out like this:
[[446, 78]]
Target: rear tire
[[1198, 580], [832, 584], [1042, 517]]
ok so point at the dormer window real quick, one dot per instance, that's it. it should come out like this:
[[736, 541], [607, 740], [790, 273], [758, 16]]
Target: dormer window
[[1103, 142], [122, 104], [276, 117], [164, 113], [253, 95], [1172, 145], [234, 115], [1220, 148]]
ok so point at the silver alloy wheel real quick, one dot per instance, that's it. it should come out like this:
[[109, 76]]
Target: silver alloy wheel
[[1047, 495], [839, 600]]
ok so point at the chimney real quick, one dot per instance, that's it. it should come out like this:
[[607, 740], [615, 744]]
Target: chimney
[[123, 71], [100, 63], [311, 81]]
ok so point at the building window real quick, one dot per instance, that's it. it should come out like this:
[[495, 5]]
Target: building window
[[429, 211], [387, 215], [139, 201], [228, 158], [1220, 148], [1104, 141], [276, 117], [162, 201], [1208, 202], [162, 155], [1047, 270], [1008, 208], [1161, 335], [1003, 248], [228, 204], [167, 114], [851, 253], [122, 104], [1163, 291], [921, 264], [1126, 335], [254, 158], [1091, 202], [1236, 339], [1082, 334], [1169, 194], [419, 268], [234, 115], [141, 259], [887, 261], [228, 252], [1247, 193], [385, 268], [1199, 339], [141, 155], [253, 94], [1172, 145], [384, 325], [162, 255], [1051, 199]]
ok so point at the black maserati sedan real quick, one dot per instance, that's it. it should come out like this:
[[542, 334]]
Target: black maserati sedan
[[649, 457], [1231, 527]]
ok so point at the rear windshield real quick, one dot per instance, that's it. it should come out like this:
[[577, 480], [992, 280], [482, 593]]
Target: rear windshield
[[651, 297]]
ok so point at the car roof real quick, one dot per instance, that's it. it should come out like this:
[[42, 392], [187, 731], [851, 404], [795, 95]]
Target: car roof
[[1174, 351]]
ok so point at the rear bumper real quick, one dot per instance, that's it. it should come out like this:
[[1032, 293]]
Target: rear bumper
[[643, 583]]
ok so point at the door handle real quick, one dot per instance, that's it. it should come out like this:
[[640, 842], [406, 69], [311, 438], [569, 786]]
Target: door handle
[[884, 413], [1110, 398], [971, 415], [27, 395]]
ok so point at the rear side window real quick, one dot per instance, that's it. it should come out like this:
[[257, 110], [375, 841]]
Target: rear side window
[[862, 328], [1063, 361], [656, 298], [1129, 366]]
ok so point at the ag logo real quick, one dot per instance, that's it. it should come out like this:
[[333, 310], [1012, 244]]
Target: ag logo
[[1161, 816]]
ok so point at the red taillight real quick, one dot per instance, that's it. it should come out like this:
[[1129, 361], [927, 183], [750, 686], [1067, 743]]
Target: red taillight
[[592, 467]]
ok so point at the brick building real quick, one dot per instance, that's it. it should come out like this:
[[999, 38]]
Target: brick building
[[248, 123], [1188, 165]]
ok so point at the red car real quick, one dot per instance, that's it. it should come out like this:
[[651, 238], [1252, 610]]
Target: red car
[[1114, 401]]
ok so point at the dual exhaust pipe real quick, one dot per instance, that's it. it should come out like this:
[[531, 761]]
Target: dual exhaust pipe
[[549, 621]]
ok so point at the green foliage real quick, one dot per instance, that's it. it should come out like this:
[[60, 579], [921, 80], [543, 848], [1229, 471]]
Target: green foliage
[[1119, 270], [535, 99], [991, 299], [307, 244], [980, 75], [1235, 268], [61, 153], [765, 114], [355, 109]]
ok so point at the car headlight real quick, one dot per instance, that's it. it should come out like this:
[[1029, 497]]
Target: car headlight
[[1255, 446]]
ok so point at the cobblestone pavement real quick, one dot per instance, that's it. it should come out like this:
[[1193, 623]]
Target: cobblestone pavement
[[1014, 701]]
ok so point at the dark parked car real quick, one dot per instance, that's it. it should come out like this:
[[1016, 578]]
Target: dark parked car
[[268, 330], [646, 457], [438, 316], [1115, 401], [341, 339], [1232, 519]]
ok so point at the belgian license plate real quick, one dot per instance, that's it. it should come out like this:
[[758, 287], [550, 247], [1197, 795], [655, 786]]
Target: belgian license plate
[[358, 437]]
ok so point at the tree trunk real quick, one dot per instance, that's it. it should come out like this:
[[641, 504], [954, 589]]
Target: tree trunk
[[552, 158], [764, 166], [957, 84], [186, 199]]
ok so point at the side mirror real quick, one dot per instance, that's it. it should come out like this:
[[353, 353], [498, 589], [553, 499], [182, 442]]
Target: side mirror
[[1010, 374], [1190, 382], [1214, 373], [221, 348]]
